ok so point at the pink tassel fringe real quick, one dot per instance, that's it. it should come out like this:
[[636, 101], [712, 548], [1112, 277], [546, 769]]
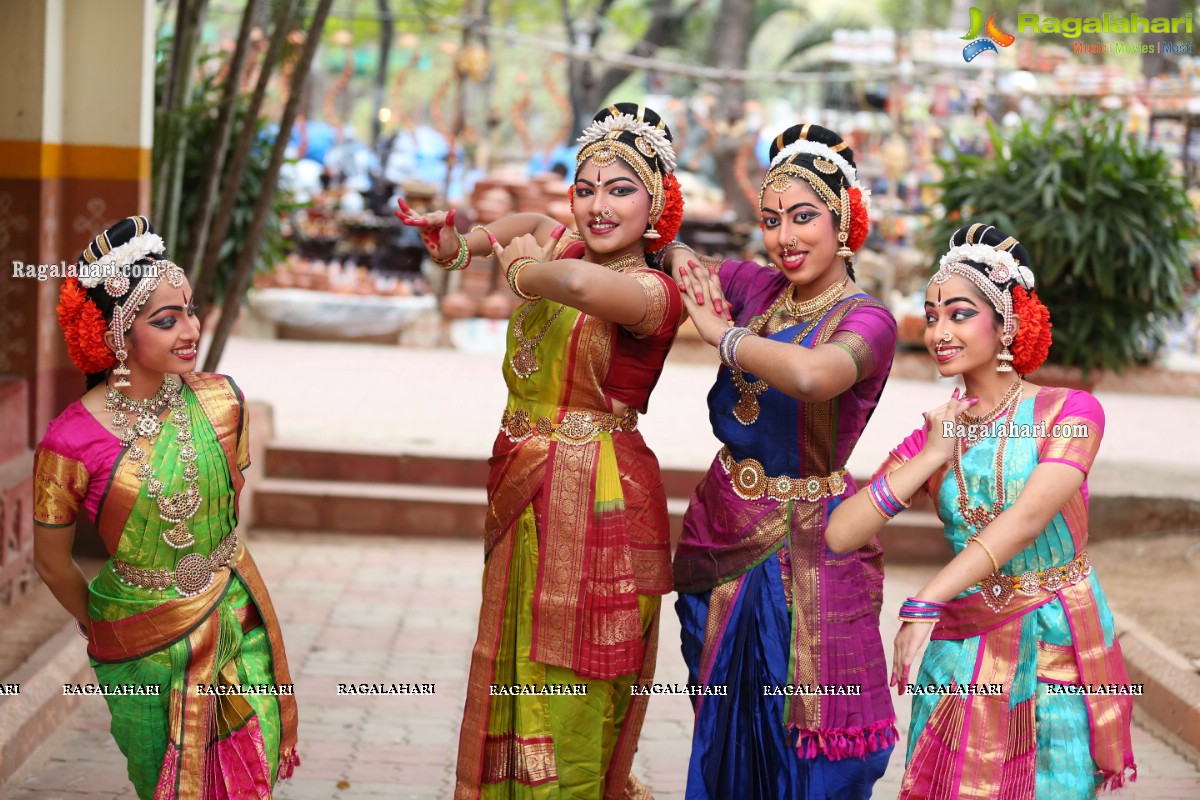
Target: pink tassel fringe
[[838, 743]]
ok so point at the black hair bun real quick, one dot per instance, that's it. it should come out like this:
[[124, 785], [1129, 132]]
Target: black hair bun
[[812, 133]]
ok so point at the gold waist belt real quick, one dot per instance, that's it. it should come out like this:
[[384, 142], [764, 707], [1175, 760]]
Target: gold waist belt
[[998, 589], [192, 574], [577, 427], [750, 482]]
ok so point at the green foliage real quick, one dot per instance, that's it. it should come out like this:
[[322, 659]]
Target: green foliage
[[1104, 221], [199, 118]]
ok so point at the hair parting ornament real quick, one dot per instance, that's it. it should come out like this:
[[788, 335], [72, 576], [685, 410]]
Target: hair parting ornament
[[79, 316], [846, 197], [646, 147], [1008, 286]]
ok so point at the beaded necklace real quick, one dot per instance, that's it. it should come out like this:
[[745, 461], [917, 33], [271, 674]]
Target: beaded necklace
[[747, 409], [979, 517]]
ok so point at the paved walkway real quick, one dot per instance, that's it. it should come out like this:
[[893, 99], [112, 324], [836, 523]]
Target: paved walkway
[[359, 609], [378, 610]]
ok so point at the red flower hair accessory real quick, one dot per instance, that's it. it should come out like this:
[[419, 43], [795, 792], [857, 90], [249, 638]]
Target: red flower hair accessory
[[1033, 341], [671, 217], [83, 327], [860, 223]]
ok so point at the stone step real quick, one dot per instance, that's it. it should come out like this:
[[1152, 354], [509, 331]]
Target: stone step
[[401, 509], [303, 463]]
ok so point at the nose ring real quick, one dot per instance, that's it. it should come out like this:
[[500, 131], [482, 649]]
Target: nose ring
[[946, 336], [793, 243], [606, 212]]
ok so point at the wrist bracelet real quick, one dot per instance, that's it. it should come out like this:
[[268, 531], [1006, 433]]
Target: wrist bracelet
[[461, 259], [884, 499], [986, 549], [914, 610], [488, 234], [728, 344], [514, 271], [675, 245]]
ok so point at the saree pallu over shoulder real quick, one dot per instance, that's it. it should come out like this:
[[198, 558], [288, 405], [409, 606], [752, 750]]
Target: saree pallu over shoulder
[[1044, 622], [832, 597], [598, 501]]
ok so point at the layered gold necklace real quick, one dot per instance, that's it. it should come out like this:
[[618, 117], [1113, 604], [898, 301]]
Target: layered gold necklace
[[134, 419], [979, 517], [747, 409], [524, 360]]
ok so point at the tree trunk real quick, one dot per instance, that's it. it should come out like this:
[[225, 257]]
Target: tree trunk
[[589, 90], [202, 289], [220, 145], [728, 49], [176, 147], [387, 31], [248, 254]]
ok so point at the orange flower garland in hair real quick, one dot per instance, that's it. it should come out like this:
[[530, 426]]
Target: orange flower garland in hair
[[671, 217], [83, 327], [1032, 344], [860, 225]]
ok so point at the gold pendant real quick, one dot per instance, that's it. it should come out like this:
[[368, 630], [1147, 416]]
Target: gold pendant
[[746, 409], [524, 362], [179, 536]]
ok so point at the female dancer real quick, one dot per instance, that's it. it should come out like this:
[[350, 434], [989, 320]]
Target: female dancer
[[1020, 616], [178, 622], [576, 545], [789, 629]]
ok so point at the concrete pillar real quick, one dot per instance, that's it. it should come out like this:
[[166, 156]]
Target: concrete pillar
[[75, 134], [76, 127]]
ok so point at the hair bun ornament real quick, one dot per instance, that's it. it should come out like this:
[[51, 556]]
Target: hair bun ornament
[[647, 137], [1024, 277], [115, 262]]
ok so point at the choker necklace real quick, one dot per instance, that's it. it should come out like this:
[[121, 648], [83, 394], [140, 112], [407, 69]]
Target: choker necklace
[[176, 508], [625, 263], [524, 362], [806, 308], [979, 517], [976, 424], [747, 409]]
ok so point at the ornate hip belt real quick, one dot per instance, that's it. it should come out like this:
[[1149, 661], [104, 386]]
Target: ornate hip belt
[[577, 427], [750, 482], [998, 589], [192, 574]]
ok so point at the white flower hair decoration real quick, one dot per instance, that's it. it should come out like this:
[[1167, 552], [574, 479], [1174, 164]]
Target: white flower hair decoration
[[822, 150], [120, 258], [1002, 266], [656, 137]]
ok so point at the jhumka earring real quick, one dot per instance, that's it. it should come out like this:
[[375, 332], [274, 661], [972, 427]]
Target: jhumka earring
[[120, 370], [1005, 357], [651, 233], [844, 227]]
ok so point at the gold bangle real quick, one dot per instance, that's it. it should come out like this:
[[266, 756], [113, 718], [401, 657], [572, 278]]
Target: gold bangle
[[986, 549], [875, 504], [489, 234], [514, 271], [888, 481]]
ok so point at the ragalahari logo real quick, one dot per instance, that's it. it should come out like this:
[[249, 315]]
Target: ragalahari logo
[[995, 35]]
